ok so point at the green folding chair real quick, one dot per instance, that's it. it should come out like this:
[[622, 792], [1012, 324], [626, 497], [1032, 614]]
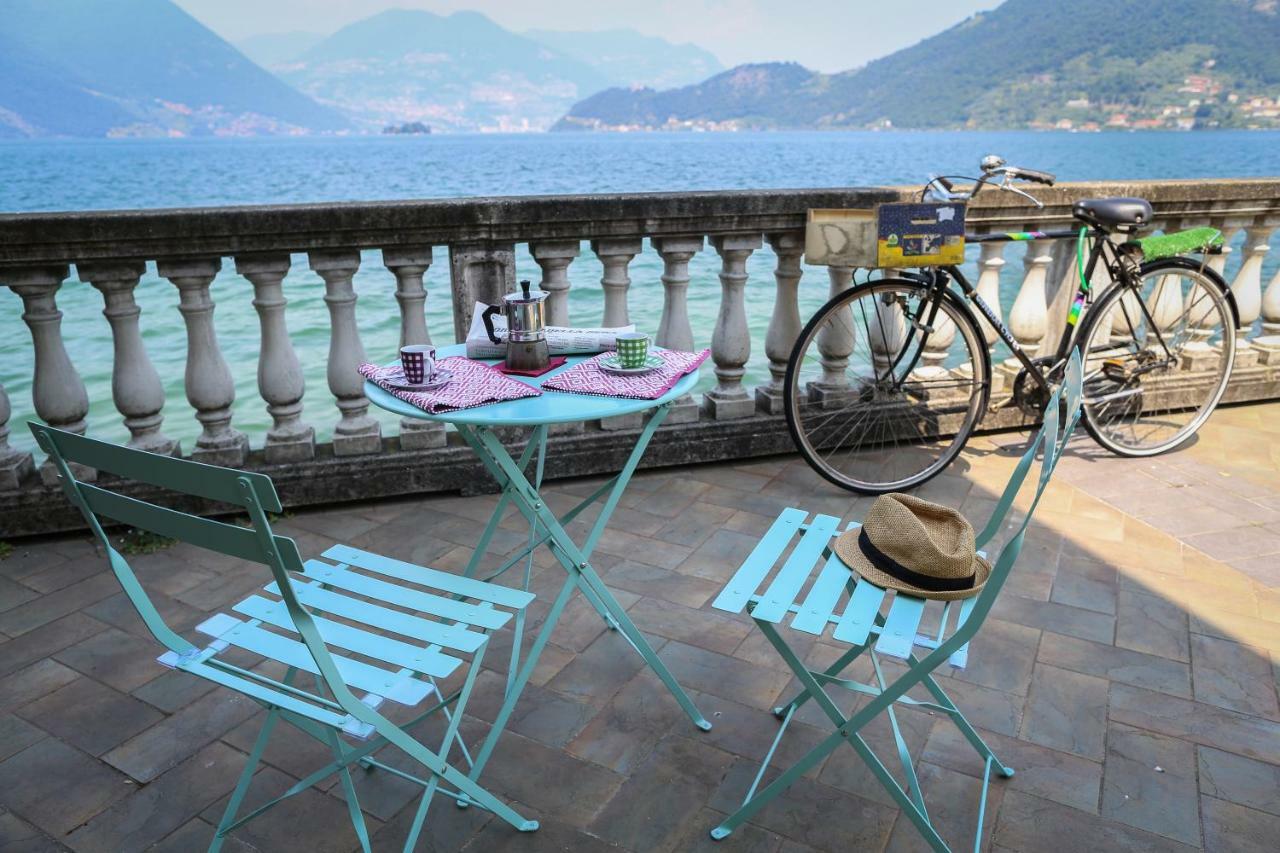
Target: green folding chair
[[410, 627], [855, 610]]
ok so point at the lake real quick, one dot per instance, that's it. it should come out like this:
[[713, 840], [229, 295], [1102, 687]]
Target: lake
[[113, 174]]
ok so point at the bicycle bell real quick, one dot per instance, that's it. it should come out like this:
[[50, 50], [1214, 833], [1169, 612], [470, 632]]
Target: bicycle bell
[[992, 162], [526, 328]]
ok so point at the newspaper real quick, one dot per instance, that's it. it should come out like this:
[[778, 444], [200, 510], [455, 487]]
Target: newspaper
[[560, 340]]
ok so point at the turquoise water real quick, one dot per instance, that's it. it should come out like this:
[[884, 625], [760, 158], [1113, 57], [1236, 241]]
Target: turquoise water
[[113, 174]]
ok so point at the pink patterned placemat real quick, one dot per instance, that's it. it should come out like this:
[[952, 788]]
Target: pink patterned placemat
[[473, 384], [586, 377]]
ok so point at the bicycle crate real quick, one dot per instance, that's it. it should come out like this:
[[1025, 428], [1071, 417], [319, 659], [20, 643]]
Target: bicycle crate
[[886, 236]]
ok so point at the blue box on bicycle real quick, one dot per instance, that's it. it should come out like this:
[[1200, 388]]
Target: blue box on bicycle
[[919, 235]]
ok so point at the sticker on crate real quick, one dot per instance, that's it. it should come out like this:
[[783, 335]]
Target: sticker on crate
[[889, 235]]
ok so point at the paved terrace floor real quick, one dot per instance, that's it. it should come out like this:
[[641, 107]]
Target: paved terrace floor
[[1129, 675]]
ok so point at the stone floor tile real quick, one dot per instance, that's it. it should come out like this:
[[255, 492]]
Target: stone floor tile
[[46, 640], [1079, 591], [756, 648], [719, 556], [600, 670], [1150, 782], [89, 715], [18, 836], [1067, 711], [639, 715], [1048, 773], [119, 611], [28, 685], [54, 606], [809, 812], [1196, 722], [553, 836], [181, 735], [695, 525], [1027, 823], [1262, 633], [173, 690], [952, 800], [1060, 618], [708, 629], [1116, 664], [1152, 624], [661, 794], [1001, 656], [747, 838], [723, 676], [541, 713], [163, 806], [57, 788], [13, 593], [846, 770], [662, 584], [1233, 676], [1241, 780], [16, 734], [195, 835], [447, 829], [115, 658], [984, 707], [1232, 827], [1238, 543], [328, 826]]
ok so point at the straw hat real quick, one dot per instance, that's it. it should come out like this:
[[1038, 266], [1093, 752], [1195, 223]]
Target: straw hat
[[921, 548]]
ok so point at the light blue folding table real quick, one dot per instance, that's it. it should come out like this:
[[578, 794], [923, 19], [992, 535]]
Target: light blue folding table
[[477, 427]]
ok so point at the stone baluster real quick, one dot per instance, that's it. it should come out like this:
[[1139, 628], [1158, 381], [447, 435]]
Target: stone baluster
[[210, 389], [886, 333], [835, 344], [1218, 262], [57, 391], [731, 340], [990, 262], [1247, 287], [1166, 302], [478, 273], [15, 464], [674, 329], [356, 432], [615, 255], [1029, 316], [280, 380], [409, 265], [554, 259], [1268, 343], [135, 385], [784, 323]]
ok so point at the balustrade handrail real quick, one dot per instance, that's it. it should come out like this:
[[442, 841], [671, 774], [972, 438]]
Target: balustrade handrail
[[190, 246]]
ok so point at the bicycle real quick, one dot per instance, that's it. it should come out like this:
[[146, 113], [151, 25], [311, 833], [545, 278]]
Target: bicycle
[[889, 378]]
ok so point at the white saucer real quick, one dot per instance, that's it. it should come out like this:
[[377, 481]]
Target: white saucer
[[396, 380], [612, 364]]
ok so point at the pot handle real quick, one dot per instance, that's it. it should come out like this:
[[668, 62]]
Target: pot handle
[[487, 319]]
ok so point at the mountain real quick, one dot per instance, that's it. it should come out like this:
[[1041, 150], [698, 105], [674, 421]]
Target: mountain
[[135, 68], [456, 72], [1087, 64], [629, 58], [270, 49]]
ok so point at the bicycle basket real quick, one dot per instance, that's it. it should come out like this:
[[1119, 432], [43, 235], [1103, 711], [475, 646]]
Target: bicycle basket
[[886, 236]]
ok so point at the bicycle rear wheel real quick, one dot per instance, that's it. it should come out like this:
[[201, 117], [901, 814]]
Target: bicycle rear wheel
[[1159, 358], [873, 403]]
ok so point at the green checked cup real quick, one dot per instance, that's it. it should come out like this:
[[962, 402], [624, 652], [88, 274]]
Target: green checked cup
[[633, 349]]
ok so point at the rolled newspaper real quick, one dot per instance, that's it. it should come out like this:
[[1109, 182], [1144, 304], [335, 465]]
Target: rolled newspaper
[[560, 340]]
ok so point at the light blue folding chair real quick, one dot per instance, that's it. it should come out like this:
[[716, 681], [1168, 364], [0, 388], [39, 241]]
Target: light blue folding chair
[[815, 590], [408, 627]]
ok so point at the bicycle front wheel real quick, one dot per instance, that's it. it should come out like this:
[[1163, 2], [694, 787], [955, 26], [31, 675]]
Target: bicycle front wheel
[[881, 392], [1159, 356]]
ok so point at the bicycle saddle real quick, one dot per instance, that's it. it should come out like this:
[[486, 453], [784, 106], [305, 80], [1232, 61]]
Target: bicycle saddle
[[1116, 214]]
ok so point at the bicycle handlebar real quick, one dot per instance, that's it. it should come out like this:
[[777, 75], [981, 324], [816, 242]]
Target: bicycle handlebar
[[1033, 175]]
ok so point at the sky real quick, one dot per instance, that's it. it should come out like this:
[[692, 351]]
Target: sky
[[825, 35]]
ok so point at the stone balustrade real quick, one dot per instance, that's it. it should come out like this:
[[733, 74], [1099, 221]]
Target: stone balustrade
[[109, 251]]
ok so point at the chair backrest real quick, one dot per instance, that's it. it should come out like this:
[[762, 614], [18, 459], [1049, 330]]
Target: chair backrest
[[1060, 419], [252, 492]]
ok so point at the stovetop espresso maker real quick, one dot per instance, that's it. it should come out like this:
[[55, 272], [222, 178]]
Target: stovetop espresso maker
[[526, 328]]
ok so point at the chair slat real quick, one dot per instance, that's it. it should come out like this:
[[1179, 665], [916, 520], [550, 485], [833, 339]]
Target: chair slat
[[502, 596], [791, 578], [420, 659], [960, 657], [859, 615], [217, 536], [289, 652], [447, 608], [425, 630], [755, 568], [264, 693], [898, 635], [180, 475], [824, 595]]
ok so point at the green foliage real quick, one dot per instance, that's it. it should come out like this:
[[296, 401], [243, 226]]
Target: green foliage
[[6, 551], [135, 541]]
